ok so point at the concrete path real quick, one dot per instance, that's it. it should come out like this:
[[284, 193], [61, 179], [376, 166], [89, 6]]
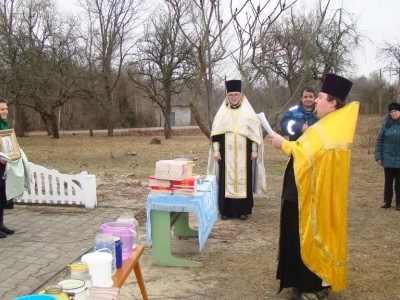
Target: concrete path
[[47, 239]]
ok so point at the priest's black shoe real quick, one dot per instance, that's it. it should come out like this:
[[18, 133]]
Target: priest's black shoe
[[397, 206], [6, 230], [296, 292], [2, 235], [385, 205], [224, 217], [243, 217]]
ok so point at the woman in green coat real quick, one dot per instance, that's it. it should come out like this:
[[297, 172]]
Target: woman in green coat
[[4, 231], [387, 154]]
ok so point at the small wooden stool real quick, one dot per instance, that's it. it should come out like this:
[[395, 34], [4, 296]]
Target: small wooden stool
[[127, 265]]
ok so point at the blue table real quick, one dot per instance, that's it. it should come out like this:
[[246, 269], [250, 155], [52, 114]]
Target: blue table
[[166, 211]]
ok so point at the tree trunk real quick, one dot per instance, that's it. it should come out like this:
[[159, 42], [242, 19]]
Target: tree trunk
[[196, 114], [47, 123], [202, 125], [54, 125], [398, 89], [18, 119], [110, 127], [167, 121], [111, 119]]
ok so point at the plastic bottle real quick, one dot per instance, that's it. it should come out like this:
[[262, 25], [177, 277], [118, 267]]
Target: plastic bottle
[[104, 241], [129, 218]]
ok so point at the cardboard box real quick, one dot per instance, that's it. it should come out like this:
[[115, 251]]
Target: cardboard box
[[173, 170]]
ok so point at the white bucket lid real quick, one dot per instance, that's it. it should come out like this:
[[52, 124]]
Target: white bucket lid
[[72, 285], [97, 257]]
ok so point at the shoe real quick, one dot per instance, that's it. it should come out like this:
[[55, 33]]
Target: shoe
[[224, 217], [397, 206], [386, 205], [296, 292], [243, 217], [2, 235], [321, 295], [6, 230]]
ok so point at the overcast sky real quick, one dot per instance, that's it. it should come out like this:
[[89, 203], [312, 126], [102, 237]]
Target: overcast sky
[[378, 20]]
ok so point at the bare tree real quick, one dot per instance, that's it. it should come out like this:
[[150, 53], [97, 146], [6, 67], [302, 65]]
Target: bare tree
[[111, 28], [203, 25], [10, 59], [161, 66], [39, 57], [296, 50], [390, 53]]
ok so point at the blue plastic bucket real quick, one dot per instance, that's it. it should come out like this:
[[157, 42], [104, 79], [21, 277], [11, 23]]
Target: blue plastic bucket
[[118, 252], [36, 297]]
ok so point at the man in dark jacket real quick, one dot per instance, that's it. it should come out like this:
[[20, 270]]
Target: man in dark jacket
[[299, 117]]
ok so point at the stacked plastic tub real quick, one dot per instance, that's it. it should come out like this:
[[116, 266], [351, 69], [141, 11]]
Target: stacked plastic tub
[[125, 231]]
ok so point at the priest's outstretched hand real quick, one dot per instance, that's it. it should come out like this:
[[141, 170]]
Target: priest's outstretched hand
[[276, 140]]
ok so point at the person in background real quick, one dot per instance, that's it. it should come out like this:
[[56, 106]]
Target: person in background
[[387, 154], [313, 227], [3, 199], [298, 118], [236, 154]]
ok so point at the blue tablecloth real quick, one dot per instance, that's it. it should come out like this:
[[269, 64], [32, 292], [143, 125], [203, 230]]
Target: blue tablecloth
[[203, 204]]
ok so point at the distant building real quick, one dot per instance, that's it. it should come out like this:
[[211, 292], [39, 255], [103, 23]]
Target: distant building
[[180, 111]]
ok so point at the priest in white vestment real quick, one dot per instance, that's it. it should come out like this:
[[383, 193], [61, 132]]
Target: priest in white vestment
[[237, 154]]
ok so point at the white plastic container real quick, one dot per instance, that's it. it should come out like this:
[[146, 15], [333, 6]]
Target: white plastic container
[[99, 268], [129, 218], [76, 286]]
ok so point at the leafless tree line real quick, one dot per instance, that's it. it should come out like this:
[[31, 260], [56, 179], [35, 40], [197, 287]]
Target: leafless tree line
[[109, 65]]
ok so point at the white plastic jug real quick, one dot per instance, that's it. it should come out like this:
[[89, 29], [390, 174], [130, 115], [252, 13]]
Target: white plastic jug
[[99, 268]]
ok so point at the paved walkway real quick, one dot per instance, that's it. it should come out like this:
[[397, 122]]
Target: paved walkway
[[47, 239]]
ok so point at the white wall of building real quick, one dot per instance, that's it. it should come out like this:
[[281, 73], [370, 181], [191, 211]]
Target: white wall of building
[[182, 116]]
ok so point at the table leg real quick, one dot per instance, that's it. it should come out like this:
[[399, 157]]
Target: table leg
[[139, 278], [161, 240], [181, 226]]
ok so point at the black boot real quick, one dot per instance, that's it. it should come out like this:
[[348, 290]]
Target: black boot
[[386, 205], [2, 235], [6, 230]]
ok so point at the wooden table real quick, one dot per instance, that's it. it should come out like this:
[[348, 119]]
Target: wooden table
[[127, 265]]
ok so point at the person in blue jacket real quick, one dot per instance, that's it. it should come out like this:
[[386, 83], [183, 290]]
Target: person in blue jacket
[[299, 117], [387, 154]]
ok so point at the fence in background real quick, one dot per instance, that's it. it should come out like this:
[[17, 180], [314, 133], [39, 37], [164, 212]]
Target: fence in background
[[53, 187]]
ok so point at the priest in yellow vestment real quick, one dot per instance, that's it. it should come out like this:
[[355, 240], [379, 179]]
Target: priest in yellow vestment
[[313, 233]]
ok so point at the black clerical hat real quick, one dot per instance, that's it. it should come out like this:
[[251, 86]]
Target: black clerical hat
[[336, 86], [394, 106], [233, 86]]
